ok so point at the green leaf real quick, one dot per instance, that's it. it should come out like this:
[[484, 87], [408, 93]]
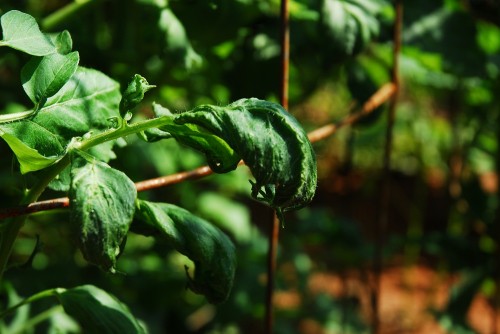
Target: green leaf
[[21, 32], [211, 250], [63, 42], [232, 216], [272, 144], [220, 156], [155, 134], [177, 42], [134, 93], [98, 312], [38, 148], [102, 208], [349, 25], [86, 102], [43, 77]]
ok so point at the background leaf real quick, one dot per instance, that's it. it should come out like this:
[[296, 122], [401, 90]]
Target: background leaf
[[209, 248], [99, 312], [21, 32], [102, 208]]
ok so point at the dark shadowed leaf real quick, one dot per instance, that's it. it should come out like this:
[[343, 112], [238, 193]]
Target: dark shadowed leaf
[[98, 312], [209, 248]]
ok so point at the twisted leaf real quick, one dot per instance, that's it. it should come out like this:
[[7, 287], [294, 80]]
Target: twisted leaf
[[270, 141]]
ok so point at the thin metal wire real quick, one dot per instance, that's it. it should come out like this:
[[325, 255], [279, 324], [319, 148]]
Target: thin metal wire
[[383, 214], [273, 237]]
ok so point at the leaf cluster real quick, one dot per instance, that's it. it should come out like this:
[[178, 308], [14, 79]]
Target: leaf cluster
[[66, 141]]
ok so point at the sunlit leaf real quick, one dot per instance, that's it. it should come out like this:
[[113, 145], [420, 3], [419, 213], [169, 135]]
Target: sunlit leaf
[[38, 148], [84, 103], [134, 93], [43, 77], [21, 32]]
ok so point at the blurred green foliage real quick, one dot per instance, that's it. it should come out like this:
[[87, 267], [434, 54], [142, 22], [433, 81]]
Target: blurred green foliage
[[445, 158]]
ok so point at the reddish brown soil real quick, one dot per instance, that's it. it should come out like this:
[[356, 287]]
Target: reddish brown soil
[[407, 296]]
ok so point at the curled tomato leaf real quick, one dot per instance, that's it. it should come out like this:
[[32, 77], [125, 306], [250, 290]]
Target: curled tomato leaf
[[271, 143], [208, 247], [102, 208]]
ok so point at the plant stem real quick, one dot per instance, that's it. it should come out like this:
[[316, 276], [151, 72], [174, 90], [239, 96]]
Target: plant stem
[[124, 130], [33, 298], [64, 14], [10, 229]]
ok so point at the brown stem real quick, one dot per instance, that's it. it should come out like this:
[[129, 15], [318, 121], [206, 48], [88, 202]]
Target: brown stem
[[380, 97]]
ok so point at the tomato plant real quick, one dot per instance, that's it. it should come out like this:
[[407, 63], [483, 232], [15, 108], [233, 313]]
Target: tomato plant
[[66, 140]]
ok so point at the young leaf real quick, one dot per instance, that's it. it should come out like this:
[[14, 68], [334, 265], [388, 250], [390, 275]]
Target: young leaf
[[272, 144], [84, 103], [43, 77], [21, 32], [211, 250], [97, 311], [134, 93], [102, 208], [38, 148], [63, 42]]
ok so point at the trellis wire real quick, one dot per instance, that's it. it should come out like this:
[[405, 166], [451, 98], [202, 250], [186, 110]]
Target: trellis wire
[[382, 218]]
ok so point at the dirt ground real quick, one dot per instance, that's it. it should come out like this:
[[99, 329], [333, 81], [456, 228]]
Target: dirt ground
[[407, 296]]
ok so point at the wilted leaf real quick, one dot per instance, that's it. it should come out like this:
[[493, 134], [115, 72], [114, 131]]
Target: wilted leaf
[[102, 208], [271, 143], [211, 250]]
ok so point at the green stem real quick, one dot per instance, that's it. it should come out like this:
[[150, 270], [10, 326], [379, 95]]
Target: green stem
[[65, 14], [10, 229], [33, 298], [124, 130]]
